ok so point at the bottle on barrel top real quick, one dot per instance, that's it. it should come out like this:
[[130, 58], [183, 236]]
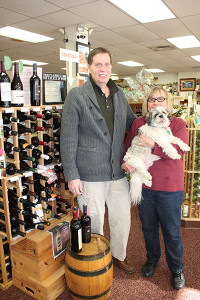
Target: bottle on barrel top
[[186, 207], [76, 234], [86, 225]]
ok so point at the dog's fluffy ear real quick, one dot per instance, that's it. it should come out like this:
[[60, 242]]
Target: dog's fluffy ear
[[148, 118], [170, 117]]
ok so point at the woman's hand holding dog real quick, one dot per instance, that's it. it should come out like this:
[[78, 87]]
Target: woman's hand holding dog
[[145, 141], [127, 168]]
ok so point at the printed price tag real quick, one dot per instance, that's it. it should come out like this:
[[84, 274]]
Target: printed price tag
[[9, 111], [58, 106], [27, 174], [48, 107], [25, 109], [15, 178], [36, 108]]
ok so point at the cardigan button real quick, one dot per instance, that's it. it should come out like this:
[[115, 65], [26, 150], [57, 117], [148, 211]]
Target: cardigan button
[[105, 133], [90, 107]]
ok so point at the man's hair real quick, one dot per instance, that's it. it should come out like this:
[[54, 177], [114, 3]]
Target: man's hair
[[97, 51]]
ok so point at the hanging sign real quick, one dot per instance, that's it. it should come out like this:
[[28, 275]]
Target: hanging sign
[[69, 55]]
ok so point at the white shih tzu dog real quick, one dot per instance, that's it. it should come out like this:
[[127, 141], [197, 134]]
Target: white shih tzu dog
[[141, 158]]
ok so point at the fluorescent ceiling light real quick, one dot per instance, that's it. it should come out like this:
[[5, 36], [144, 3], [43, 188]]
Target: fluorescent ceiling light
[[154, 70], [23, 35], [130, 63], [30, 62], [196, 57], [189, 41], [145, 10]]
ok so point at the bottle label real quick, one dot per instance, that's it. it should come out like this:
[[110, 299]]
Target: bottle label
[[17, 97], [185, 210], [5, 88], [86, 233], [80, 239]]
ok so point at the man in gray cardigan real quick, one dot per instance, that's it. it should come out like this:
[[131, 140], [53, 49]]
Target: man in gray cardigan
[[94, 120]]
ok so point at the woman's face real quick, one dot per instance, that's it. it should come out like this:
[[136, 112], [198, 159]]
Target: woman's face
[[156, 103]]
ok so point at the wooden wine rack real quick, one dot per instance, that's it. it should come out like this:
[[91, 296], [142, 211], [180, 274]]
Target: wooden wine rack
[[15, 181], [192, 173]]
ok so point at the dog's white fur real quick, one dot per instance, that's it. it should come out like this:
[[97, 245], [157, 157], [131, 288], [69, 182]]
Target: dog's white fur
[[141, 158]]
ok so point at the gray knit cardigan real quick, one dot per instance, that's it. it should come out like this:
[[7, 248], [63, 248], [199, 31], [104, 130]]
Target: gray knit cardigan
[[87, 151]]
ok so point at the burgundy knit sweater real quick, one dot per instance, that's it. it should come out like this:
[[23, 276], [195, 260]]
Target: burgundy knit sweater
[[167, 173]]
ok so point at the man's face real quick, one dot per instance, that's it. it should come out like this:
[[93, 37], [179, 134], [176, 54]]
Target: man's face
[[100, 69]]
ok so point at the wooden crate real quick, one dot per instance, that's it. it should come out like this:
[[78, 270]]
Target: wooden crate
[[33, 255], [48, 289]]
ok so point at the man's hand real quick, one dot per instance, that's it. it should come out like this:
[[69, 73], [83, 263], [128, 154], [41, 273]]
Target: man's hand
[[75, 186], [127, 168]]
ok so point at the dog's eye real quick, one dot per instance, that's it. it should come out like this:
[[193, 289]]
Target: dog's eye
[[156, 115]]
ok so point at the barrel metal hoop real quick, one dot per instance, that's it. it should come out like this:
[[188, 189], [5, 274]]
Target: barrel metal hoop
[[90, 297], [90, 273], [89, 257]]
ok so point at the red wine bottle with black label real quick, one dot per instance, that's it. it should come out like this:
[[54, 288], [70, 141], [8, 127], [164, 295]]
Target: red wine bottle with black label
[[35, 87], [17, 93], [5, 87]]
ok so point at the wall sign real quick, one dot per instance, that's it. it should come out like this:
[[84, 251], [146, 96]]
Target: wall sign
[[54, 88]]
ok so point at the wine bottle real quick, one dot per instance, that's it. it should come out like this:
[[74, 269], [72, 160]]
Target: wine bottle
[[76, 234], [24, 129], [56, 123], [31, 225], [23, 156], [46, 125], [17, 93], [8, 147], [86, 225], [14, 231], [38, 154], [38, 115], [23, 116], [51, 160], [36, 128], [36, 142], [35, 87], [48, 114], [11, 169], [47, 149], [5, 87], [186, 207], [24, 145], [25, 167], [48, 138], [7, 118], [9, 132], [37, 177]]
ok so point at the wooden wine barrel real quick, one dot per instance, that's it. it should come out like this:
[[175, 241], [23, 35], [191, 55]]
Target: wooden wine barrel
[[89, 273]]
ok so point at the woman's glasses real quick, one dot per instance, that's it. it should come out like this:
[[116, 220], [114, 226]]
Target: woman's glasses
[[159, 99]]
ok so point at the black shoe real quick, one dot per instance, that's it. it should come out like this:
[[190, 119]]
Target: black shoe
[[148, 269], [178, 280]]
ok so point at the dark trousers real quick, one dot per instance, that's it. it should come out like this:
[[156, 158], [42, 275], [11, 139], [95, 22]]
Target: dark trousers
[[164, 208]]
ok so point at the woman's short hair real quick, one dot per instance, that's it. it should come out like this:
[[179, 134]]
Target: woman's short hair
[[97, 51], [151, 94]]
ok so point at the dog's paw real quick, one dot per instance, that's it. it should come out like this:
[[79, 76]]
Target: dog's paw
[[147, 182]]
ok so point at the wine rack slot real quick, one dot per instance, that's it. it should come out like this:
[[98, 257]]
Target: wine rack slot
[[26, 176]]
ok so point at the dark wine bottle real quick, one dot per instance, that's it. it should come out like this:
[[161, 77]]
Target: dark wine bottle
[[36, 142], [56, 123], [5, 87], [23, 116], [23, 156], [11, 169], [36, 128], [9, 132], [35, 87], [24, 129], [25, 167], [46, 125], [24, 145], [48, 114], [17, 93], [31, 225], [14, 231], [38, 115], [48, 138], [38, 154], [7, 118], [47, 149], [76, 234], [8, 147], [86, 225]]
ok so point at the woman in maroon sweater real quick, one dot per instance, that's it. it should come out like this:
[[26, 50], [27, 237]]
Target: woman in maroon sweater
[[161, 203]]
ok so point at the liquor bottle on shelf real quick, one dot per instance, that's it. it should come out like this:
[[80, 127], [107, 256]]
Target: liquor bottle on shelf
[[11, 169], [51, 214], [17, 93], [186, 207], [23, 129], [47, 149], [5, 87], [36, 142], [56, 123], [38, 115], [7, 118], [35, 127], [38, 154], [9, 132], [51, 160], [46, 125], [37, 177], [14, 230], [24, 145], [25, 167], [48, 114], [23, 156], [86, 225], [35, 91], [48, 138], [23, 116], [31, 225], [9, 147], [76, 234]]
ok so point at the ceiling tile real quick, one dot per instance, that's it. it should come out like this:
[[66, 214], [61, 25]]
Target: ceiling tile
[[9, 17], [137, 33], [104, 14], [109, 37], [69, 3], [183, 8], [193, 23], [168, 28]]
